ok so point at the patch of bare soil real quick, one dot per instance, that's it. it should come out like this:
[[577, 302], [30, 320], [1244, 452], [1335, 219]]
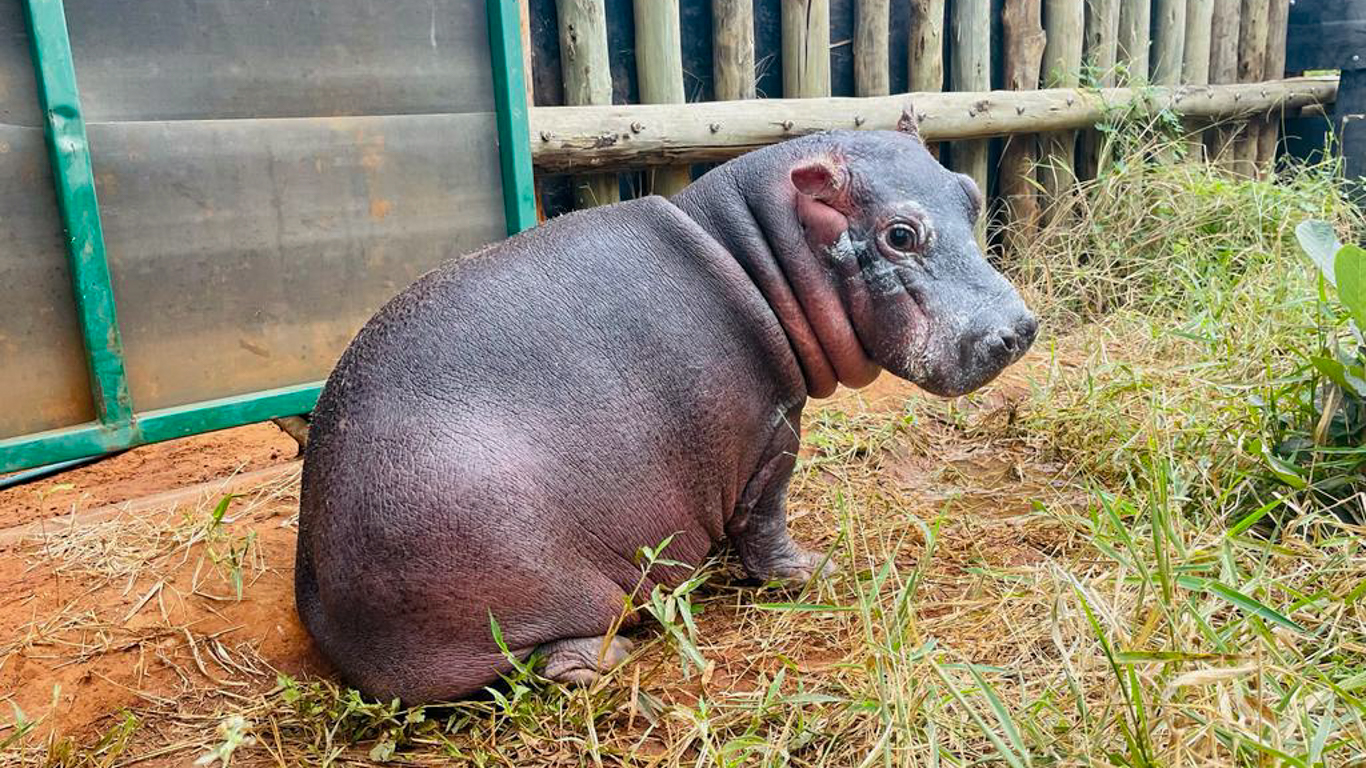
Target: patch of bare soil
[[146, 470], [140, 612]]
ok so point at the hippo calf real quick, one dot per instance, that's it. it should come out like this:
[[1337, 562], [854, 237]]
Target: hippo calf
[[504, 436]]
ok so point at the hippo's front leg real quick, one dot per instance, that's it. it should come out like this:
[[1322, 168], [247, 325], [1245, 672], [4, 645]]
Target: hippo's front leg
[[758, 529]]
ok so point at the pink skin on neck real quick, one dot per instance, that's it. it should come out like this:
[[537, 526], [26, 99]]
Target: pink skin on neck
[[838, 345]]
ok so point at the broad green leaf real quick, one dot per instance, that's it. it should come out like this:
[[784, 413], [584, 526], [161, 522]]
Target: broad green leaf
[[1345, 377], [1240, 600], [1350, 267], [1321, 244], [1285, 471]]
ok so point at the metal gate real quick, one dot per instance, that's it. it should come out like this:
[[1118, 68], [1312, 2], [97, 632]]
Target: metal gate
[[239, 185]]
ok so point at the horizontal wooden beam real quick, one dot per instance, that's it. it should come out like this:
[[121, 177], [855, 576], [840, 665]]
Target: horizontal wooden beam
[[576, 139]]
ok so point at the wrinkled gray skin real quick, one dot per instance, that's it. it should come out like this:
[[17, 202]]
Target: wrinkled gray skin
[[505, 435]]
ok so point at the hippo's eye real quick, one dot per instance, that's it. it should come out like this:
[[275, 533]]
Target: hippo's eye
[[903, 237]]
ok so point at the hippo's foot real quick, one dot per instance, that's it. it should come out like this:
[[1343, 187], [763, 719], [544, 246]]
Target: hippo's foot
[[793, 568], [582, 660]]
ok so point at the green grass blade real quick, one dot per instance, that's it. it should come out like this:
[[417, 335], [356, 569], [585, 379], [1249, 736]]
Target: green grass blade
[[1242, 601], [1002, 715], [1002, 749]]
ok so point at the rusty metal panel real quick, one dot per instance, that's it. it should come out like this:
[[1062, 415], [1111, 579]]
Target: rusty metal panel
[[43, 379], [197, 59], [246, 253]]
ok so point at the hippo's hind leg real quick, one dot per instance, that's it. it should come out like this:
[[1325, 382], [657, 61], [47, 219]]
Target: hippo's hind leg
[[581, 660], [758, 529]]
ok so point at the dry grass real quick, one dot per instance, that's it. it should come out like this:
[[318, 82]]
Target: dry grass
[[1084, 565]]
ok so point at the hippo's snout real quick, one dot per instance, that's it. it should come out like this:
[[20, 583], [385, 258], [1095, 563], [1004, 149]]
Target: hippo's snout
[[998, 344], [984, 348]]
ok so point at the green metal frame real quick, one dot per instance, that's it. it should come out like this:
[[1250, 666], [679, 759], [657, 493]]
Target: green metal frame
[[117, 425], [514, 129]]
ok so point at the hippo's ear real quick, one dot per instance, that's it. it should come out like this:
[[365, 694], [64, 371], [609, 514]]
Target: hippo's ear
[[822, 178], [907, 123]]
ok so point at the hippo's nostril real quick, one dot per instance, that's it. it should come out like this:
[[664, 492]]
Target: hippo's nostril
[[1009, 340]]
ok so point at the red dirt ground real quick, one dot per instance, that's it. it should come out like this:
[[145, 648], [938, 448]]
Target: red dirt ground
[[119, 611], [75, 611], [148, 470]]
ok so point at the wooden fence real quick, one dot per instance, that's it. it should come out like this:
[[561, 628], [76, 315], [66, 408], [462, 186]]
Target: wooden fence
[[634, 97]]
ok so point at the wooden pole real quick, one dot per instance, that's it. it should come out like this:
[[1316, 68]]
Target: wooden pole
[[871, 33], [1278, 20], [1131, 51], [971, 71], [578, 139], [1101, 50], [524, 24], [1023, 45], [1169, 46], [1065, 20], [587, 82], [1223, 68], [1169, 41], [927, 46], [1195, 60], [926, 59], [806, 48], [1195, 57], [1252, 33], [659, 71], [733, 49]]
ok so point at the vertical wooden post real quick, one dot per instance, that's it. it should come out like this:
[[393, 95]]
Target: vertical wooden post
[[1169, 41], [1066, 20], [927, 46], [971, 71], [659, 72], [587, 81], [1251, 62], [871, 33], [1131, 53], [1195, 61], [1101, 49], [1278, 21], [1023, 46], [806, 48], [1195, 57], [524, 23], [1169, 47], [926, 58], [1223, 68], [733, 49]]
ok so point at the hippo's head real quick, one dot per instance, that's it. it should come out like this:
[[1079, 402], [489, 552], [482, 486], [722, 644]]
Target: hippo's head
[[895, 229]]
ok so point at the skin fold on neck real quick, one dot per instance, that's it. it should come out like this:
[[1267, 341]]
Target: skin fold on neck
[[751, 210]]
